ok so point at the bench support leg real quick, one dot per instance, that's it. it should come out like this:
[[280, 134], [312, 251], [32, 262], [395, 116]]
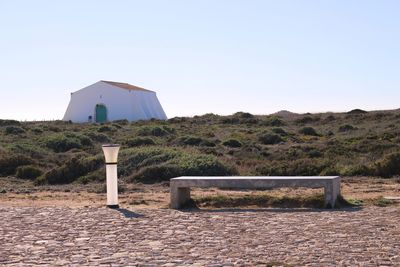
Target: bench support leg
[[332, 191], [179, 196]]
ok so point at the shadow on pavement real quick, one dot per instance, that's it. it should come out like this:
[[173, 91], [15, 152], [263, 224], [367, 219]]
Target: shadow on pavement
[[129, 214], [342, 205]]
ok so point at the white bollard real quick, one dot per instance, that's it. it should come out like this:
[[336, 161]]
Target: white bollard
[[111, 155]]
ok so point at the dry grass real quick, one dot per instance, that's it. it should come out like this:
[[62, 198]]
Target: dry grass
[[364, 191]]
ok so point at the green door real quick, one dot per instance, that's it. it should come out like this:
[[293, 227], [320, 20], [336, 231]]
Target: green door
[[101, 113]]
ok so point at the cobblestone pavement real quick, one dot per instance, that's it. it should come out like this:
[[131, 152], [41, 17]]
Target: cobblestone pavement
[[100, 236]]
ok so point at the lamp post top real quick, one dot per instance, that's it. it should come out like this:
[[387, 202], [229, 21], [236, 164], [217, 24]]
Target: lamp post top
[[111, 145]]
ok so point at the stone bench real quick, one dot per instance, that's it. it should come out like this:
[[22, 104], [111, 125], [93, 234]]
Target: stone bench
[[180, 187]]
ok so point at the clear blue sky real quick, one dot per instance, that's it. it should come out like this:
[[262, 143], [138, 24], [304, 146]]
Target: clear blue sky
[[203, 56]]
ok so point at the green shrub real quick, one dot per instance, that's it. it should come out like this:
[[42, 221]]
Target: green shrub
[[139, 141], [61, 143], [105, 128], [72, 170], [357, 112], [151, 164], [158, 173], [9, 164], [98, 175], [346, 128], [52, 128], [84, 179], [83, 139], [28, 172], [244, 115], [9, 122], [308, 131], [61, 122], [186, 165], [232, 143], [122, 122], [270, 139], [273, 121], [276, 122], [67, 141], [330, 170], [14, 130], [177, 120], [98, 137], [307, 119], [241, 118], [330, 118], [208, 117], [155, 131], [388, 166], [207, 143], [250, 121], [230, 120], [307, 167], [190, 140], [388, 136], [40, 180], [28, 149], [314, 153], [195, 141], [300, 167], [37, 130], [170, 130], [135, 158], [383, 202], [202, 165], [275, 168], [356, 170], [279, 131], [117, 126]]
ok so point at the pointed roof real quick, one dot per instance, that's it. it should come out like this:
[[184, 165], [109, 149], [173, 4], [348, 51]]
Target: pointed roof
[[126, 86]]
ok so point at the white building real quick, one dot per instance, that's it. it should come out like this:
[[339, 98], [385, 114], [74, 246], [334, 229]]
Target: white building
[[109, 101]]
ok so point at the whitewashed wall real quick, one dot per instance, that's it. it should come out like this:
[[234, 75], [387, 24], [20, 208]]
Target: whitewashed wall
[[121, 104]]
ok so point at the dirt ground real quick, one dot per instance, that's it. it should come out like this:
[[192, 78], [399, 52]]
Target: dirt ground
[[364, 190], [70, 226]]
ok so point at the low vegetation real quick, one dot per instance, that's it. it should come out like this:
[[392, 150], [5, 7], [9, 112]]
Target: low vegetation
[[356, 143], [265, 200]]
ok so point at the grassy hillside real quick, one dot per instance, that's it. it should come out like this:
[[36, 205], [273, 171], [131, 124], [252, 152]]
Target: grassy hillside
[[348, 144]]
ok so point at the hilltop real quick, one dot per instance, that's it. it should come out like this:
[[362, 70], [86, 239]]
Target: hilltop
[[348, 144]]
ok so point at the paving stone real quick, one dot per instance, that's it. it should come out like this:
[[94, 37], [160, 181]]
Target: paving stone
[[34, 236]]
